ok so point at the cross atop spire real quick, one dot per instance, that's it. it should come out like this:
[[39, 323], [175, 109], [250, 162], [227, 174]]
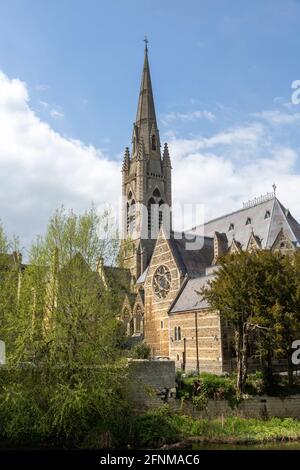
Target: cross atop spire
[[146, 43]]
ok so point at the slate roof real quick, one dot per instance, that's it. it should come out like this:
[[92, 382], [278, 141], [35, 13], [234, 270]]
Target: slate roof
[[142, 277], [265, 220], [190, 299], [192, 262], [266, 228]]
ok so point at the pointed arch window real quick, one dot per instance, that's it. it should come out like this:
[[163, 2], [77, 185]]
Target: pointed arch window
[[177, 333], [153, 142], [132, 216], [130, 213], [138, 319], [160, 213], [131, 327], [156, 214], [151, 210], [127, 217], [126, 319], [267, 215], [248, 221]]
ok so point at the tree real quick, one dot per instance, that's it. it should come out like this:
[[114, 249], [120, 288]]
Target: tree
[[258, 294], [4, 242], [285, 311], [64, 329], [230, 292], [10, 275]]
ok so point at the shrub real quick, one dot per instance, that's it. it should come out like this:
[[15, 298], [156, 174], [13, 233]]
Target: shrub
[[200, 402], [67, 407], [155, 428], [208, 386], [141, 351]]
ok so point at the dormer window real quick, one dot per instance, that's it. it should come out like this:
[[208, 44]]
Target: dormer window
[[248, 221], [267, 215], [231, 227]]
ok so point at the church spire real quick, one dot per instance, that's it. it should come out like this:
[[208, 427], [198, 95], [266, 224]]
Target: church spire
[[145, 123], [146, 181]]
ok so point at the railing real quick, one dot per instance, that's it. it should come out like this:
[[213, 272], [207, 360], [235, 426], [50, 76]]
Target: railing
[[259, 200]]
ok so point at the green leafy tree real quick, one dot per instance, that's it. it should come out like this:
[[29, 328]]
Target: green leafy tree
[[258, 294], [10, 276], [63, 334], [231, 293], [285, 311]]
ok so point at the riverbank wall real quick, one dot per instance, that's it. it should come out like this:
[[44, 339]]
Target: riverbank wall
[[261, 407]]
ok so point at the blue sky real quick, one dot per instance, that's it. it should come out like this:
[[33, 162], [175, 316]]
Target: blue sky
[[221, 72], [204, 54]]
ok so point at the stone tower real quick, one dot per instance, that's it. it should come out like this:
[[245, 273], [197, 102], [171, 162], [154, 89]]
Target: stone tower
[[146, 183]]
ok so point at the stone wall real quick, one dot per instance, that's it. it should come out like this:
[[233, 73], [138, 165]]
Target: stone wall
[[254, 407], [154, 382], [156, 325], [209, 345]]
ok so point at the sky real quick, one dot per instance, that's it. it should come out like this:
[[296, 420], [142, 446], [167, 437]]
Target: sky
[[222, 74]]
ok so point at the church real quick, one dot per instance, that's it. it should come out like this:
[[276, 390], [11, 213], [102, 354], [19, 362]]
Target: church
[[164, 307]]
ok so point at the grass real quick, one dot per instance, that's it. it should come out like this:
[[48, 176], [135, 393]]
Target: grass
[[162, 426], [246, 430]]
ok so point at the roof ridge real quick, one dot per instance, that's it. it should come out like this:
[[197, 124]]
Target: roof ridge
[[231, 213]]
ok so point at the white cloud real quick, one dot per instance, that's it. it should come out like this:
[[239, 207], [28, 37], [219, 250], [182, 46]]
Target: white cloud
[[44, 104], [40, 169], [191, 116], [245, 137], [276, 117], [56, 114], [223, 177]]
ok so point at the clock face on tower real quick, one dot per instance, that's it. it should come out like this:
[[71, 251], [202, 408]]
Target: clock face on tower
[[161, 282]]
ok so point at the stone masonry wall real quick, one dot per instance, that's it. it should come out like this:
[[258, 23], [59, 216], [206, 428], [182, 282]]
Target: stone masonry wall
[[154, 385], [254, 407], [156, 325], [154, 382], [209, 341]]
